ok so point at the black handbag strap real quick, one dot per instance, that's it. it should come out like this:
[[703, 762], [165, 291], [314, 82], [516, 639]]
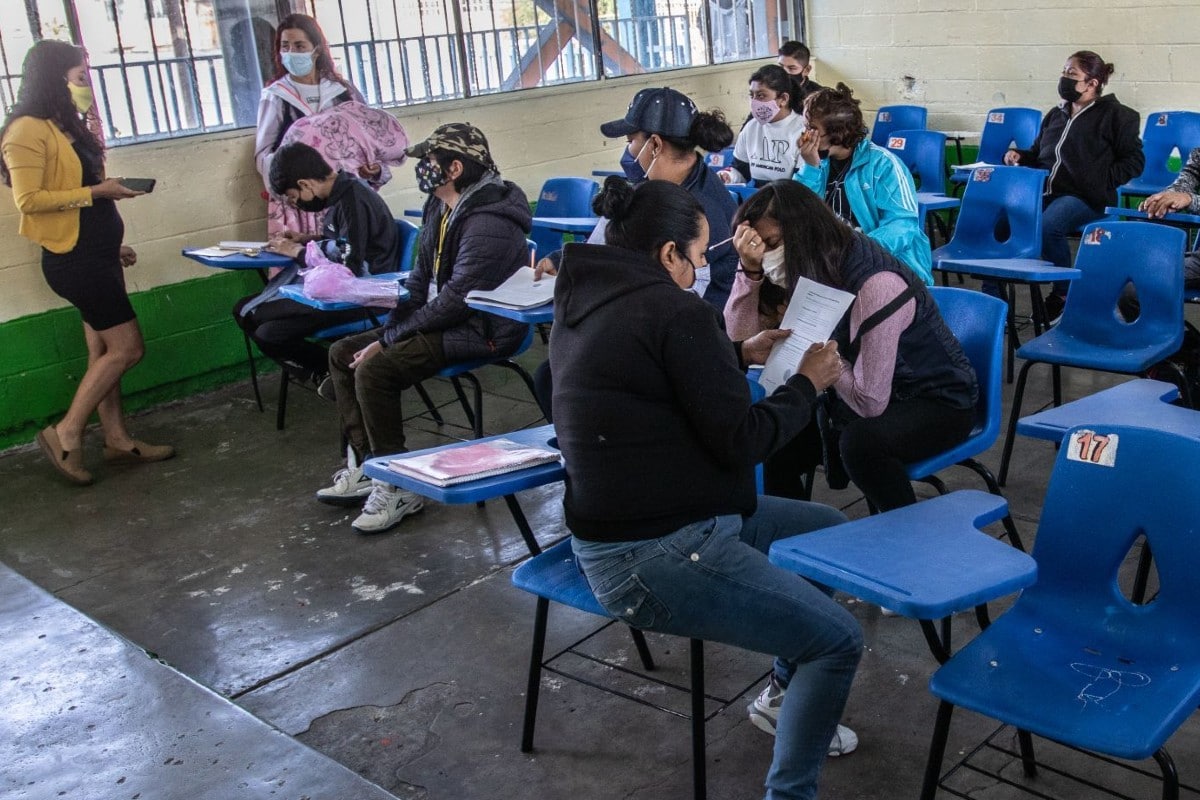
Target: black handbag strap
[[873, 321]]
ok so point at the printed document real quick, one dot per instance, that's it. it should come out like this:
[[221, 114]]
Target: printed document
[[811, 316]]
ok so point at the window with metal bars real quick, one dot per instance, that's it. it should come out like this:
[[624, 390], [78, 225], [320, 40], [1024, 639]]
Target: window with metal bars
[[164, 68]]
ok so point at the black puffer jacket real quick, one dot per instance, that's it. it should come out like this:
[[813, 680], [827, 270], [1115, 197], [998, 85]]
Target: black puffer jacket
[[1091, 154], [484, 245]]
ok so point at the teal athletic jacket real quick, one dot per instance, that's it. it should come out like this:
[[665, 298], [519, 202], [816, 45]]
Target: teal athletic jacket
[[883, 198]]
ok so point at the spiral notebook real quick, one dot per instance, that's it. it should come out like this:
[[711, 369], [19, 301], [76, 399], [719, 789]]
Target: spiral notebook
[[472, 462], [519, 291]]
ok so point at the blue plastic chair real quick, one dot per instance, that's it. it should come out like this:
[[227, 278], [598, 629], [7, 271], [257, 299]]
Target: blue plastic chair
[[977, 321], [1166, 132], [1004, 128], [924, 153], [897, 118], [1075, 660], [562, 197], [1092, 334], [720, 159], [464, 370]]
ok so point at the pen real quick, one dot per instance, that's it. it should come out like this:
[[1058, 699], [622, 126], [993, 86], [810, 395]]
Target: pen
[[712, 247]]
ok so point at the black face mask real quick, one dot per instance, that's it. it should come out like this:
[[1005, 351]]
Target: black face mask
[[1067, 90], [823, 154], [312, 206]]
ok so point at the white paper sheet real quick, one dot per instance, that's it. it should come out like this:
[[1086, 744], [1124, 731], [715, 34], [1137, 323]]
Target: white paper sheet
[[519, 291], [242, 245], [812, 314]]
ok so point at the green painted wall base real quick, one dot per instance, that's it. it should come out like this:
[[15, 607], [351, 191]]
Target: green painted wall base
[[192, 344]]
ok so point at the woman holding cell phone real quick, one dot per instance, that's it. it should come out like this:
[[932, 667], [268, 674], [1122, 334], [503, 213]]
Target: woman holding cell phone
[[55, 167]]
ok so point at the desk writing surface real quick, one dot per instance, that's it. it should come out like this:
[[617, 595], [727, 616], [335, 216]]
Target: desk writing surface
[[1144, 403], [927, 560], [567, 224], [535, 315], [484, 488], [263, 260], [295, 292]]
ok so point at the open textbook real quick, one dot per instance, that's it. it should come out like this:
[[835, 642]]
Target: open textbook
[[472, 462], [519, 291], [812, 314]]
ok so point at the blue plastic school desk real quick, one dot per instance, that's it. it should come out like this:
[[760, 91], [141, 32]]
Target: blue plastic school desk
[[296, 293], [535, 315], [1142, 403]]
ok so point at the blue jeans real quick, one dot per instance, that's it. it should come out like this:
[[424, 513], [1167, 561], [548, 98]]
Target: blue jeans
[[1062, 216], [711, 580]]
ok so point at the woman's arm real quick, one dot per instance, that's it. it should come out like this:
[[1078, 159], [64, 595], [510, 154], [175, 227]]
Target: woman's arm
[[742, 319], [1128, 158], [27, 155], [866, 386]]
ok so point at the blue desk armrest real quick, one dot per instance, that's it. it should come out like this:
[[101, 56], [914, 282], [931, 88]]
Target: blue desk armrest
[[1027, 270], [1144, 403], [927, 560]]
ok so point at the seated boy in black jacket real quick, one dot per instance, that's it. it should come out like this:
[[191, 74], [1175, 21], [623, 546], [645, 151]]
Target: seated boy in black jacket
[[359, 231]]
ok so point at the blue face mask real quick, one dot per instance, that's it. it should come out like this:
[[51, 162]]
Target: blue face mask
[[297, 64], [633, 170]]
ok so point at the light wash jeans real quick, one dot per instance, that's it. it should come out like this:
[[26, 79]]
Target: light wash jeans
[[711, 580]]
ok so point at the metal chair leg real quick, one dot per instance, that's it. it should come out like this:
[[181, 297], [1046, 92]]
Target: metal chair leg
[[281, 406], [1028, 762], [429, 406], [535, 673], [643, 649], [937, 751], [1170, 774], [1018, 395], [1010, 527], [699, 767], [253, 371], [462, 400]]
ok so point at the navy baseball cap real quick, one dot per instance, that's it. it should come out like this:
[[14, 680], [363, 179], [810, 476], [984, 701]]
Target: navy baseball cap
[[663, 111]]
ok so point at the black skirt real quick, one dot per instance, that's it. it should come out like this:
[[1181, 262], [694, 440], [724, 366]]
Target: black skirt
[[90, 276]]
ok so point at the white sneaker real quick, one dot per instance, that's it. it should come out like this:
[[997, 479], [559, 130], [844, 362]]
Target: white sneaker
[[764, 713], [386, 506], [350, 486]]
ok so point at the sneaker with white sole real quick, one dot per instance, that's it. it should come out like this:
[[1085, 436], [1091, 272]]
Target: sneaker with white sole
[[350, 486], [385, 507], [764, 713]]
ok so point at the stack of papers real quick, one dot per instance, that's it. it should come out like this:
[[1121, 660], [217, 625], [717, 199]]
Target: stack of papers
[[975, 165], [518, 292], [472, 462]]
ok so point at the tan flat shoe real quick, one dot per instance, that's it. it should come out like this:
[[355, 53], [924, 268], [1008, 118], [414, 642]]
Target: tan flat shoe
[[69, 463], [140, 453]]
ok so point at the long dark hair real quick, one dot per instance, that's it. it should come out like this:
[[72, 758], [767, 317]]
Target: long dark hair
[[44, 94], [775, 78], [646, 218], [312, 31], [814, 240]]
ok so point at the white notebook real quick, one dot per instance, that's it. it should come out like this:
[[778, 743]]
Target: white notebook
[[235, 245], [519, 291]]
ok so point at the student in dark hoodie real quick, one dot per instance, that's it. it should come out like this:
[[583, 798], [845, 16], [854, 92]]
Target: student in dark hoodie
[[1090, 144], [472, 237], [660, 439]]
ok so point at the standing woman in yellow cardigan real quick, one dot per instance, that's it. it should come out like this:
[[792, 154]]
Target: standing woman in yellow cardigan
[[55, 167]]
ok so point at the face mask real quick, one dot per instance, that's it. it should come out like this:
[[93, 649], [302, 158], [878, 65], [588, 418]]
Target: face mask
[[313, 205], [298, 65], [823, 154], [1067, 90], [774, 268], [82, 97], [429, 175], [703, 278], [763, 110], [633, 170]]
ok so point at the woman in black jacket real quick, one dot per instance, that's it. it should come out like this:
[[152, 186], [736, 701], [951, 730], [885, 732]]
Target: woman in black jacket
[[660, 439], [1090, 144]]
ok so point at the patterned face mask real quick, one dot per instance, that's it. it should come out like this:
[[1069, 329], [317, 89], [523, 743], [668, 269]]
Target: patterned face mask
[[429, 175]]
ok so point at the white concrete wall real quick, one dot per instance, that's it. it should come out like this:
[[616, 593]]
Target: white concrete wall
[[961, 57], [208, 189]]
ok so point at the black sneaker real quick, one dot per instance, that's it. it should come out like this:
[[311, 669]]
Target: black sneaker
[[1055, 303]]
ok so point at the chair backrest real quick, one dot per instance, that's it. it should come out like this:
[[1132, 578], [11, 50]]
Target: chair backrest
[[1165, 132], [1112, 255], [1000, 215], [720, 159], [977, 321], [1008, 127], [1109, 486], [408, 244], [924, 153], [897, 118], [562, 197]]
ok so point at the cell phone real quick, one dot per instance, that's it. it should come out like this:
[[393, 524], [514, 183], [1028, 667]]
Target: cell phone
[[138, 184]]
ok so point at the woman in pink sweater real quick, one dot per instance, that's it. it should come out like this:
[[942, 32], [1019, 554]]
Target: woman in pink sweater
[[906, 391]]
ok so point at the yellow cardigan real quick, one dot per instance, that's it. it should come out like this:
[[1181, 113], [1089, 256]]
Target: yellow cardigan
[[46, 182]]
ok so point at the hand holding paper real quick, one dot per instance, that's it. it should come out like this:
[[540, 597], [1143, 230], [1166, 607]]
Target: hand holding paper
[[812, 314], [822, 365]]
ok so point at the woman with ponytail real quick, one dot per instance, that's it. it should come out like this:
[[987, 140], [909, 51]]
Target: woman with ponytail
[[653, 414], [55, 166]]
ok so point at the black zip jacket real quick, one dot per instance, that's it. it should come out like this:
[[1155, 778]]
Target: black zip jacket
[[1091, 154]]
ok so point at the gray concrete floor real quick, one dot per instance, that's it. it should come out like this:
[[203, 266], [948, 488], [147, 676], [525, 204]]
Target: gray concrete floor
[[403, 656]]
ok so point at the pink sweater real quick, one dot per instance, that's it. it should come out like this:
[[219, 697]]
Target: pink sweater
[[867, 386]]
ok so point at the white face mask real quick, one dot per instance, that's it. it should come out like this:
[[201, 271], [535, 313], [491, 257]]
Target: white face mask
[[703, 278], [297, 64], [774, 268]]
